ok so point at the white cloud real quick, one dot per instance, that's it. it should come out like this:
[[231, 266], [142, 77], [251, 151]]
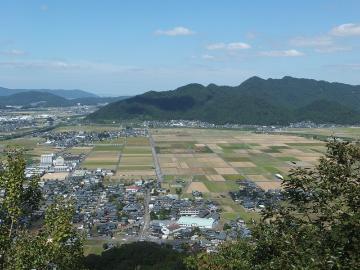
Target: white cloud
[[347, 29], [216, 46], [311, 41], [332, 49], [282, 53], [238, 46], [228, 46], [14, 52], [176, 31], [207, 57]]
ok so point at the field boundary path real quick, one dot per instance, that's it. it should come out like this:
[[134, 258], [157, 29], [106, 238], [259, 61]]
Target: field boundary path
[[120, 155], [158, 172]]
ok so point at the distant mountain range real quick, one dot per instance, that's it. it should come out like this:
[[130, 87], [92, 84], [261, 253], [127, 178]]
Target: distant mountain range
[[255, 101], [51, 98], [68, 94]]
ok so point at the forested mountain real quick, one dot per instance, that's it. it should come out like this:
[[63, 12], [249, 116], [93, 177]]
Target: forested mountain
[[68, 94], [255, 101]]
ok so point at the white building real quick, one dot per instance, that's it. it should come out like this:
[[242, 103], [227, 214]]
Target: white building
[[189, 212], [206, 223], [46, 160], [61, 168], [59, 161]]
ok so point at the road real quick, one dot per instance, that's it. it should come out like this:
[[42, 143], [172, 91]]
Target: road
[[158, 172], [145, 228]]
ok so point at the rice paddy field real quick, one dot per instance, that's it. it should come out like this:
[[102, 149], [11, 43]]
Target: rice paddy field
[[130, 158], [211, 160], [217, 158]]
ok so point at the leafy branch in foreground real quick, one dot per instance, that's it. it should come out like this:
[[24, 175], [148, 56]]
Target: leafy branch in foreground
[[317, 226], [56, 244]]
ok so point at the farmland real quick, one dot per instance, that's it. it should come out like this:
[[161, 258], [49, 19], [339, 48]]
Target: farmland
[[207, 160], [211, 161], [223, 156]]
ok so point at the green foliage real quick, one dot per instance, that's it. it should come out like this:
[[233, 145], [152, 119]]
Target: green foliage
[[153, 216], [55, 245], [178, 191], [226, 227], [255, 101], [316, 227], [137, 255]]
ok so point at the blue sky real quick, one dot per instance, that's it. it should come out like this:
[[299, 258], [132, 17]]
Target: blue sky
[[129, 47]]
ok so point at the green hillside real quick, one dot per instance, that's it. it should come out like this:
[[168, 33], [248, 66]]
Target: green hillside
[[255, 101]]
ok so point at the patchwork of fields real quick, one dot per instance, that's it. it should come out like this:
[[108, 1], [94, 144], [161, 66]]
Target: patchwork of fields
[[218, 157], [130, 158]]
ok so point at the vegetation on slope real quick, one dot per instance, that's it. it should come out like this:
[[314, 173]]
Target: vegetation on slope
[[137, 255], [255, 101], [56, 245]]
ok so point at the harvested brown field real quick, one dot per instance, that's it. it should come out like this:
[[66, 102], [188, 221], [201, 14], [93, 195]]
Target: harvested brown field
[[216, 177], [269, 185], [242, 164], [55, 176], [226, 171], [196, 186]]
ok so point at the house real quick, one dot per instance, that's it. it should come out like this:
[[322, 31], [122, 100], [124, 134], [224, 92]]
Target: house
[[132, 189]]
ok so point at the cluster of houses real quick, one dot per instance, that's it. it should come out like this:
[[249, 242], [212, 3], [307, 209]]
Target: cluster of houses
[[101, 210], [253, 198], [72, 138]]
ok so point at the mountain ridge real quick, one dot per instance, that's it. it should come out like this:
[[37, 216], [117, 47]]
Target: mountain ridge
[[254, 101], [46, 99], [68, 94]]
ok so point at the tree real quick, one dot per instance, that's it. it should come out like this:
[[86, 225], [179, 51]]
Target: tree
[[55, 245], [153, 215], [137, 255], [20, 198], [178, 191], [317, 226], [226, 227]]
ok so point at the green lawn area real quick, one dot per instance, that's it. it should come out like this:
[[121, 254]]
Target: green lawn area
[[271, 169], [233, 177], [234, 146], [99, 164], [224, 186], [288, 158]]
